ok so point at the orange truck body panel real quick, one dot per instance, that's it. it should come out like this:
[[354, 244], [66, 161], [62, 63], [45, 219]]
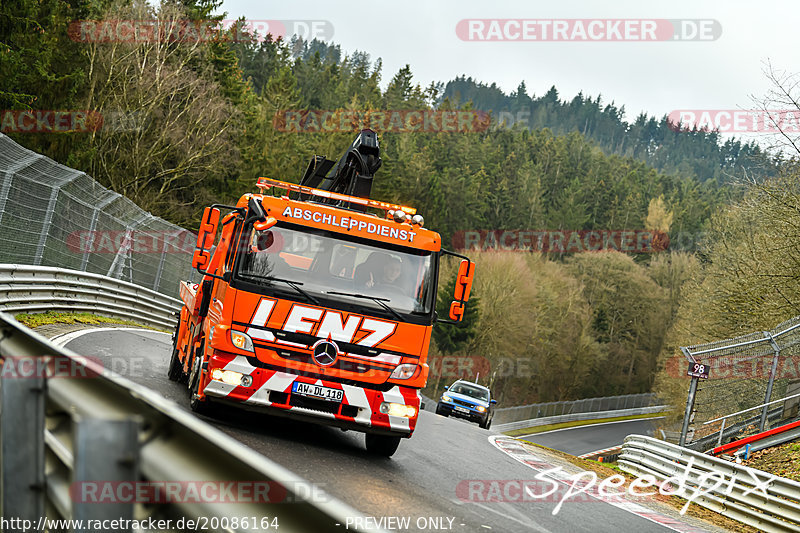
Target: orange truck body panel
[[282, 372]]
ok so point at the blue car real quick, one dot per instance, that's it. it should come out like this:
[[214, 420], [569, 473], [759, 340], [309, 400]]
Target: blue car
[[465, 399]]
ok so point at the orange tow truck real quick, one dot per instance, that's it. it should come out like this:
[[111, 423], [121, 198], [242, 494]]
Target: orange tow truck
[[316, 302]]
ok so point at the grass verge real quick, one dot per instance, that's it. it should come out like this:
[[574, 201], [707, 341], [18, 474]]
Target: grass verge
[[34, 320], [576, 423]]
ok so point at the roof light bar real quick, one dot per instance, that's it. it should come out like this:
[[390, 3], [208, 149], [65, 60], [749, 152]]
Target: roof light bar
[[266, 183]]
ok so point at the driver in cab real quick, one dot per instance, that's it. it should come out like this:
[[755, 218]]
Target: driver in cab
[[386, 273]]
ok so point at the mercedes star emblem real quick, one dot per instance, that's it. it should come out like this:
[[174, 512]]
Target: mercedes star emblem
[[325, 353]]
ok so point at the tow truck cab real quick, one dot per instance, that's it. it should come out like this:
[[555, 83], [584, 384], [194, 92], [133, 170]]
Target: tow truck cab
[[314, 311]]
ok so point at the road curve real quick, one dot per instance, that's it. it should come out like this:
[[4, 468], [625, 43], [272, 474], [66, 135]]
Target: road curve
[[584, 439], [419, 482]]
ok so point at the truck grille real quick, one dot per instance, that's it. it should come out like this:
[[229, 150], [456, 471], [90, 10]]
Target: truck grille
[[313, 404]]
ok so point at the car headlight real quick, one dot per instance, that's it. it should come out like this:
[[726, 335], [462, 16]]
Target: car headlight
[[446, 398], [241, 340], [405, 371], [480, 408]]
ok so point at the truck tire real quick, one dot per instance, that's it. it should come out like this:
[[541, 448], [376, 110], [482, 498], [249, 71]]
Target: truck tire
[[175, 372], [200, 407], [382, 445]]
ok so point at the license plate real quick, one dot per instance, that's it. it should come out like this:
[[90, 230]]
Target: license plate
[[462, 410], [315, 391]]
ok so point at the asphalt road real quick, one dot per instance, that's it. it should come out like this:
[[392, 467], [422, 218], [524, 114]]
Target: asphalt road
[[424, 481], [584, 439]]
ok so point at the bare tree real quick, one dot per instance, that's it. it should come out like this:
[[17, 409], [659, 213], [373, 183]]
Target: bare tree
[[177, 128], [780, 108]]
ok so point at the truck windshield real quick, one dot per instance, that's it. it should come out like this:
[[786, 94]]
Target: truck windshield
[[327, 266]]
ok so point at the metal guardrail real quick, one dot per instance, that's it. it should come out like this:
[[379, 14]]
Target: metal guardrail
[[707, 442], [746, 356], [36, 289], [516, 413], [769, 442], [756, 498], [534, 422], [60, 430], [763, 417]]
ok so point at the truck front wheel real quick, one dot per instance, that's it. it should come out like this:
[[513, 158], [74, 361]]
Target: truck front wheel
[[175, 372], [382, 445], [198, 406]]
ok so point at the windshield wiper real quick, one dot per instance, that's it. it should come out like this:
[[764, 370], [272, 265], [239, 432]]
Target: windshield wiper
[[294, 285], [376, 299]]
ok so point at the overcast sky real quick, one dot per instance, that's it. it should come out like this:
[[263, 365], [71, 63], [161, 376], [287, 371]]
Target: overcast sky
[[656, 77]]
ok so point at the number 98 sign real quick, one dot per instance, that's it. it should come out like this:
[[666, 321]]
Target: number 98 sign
[[698, 370]]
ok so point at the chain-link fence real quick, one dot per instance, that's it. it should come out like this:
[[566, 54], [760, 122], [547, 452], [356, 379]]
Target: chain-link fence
[[587, 405], [743, 372], [52, 215]]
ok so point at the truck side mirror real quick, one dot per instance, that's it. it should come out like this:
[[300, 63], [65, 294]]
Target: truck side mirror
[[466, 273], [266, 224], [464, 278], [205, 238], [255, 211]]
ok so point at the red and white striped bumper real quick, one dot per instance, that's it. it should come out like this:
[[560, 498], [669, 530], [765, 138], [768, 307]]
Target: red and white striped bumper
[[272, 389]]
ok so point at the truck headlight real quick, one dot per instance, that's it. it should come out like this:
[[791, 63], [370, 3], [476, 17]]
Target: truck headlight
[[230, 377], [241, 340], [405, 371], [398, 409]]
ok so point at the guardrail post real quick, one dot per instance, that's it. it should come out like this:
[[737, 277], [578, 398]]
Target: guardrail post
[[721, 430], [772, 371], [106, 455], [688, 413], [22, 439]]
